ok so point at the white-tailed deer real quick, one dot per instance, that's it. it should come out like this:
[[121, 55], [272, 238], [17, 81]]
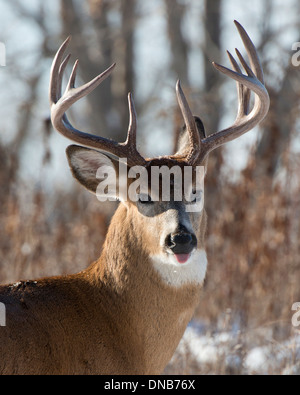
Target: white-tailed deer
[[126, 313]]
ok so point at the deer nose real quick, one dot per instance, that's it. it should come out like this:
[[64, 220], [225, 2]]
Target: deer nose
[[181, 243]]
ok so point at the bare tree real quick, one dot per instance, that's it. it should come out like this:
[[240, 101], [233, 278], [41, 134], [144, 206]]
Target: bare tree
[[213, 82], [96, 49], [280, 126], [11, 153], [211, 49], [175, 14]]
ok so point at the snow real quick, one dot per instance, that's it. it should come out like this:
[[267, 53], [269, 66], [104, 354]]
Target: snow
[[237, 352], [256, 359]]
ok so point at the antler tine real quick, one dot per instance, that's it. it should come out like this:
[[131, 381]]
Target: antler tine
[[253, 81], [61, 103], [190, 123], [131, 135], [57, 70], [251, 52], [244, 93]]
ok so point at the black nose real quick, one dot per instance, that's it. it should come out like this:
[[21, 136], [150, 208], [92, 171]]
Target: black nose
[[181, 243]]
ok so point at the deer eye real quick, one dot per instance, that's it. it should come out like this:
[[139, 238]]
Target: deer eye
[[144, 198]]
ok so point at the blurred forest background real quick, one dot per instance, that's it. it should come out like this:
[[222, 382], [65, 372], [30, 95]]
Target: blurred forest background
[[49, 225]]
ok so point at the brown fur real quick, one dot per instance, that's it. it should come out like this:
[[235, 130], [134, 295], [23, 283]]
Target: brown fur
[[112, 318], [116, 317]]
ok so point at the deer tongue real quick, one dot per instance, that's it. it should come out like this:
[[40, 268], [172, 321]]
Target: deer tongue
[[182, 258]]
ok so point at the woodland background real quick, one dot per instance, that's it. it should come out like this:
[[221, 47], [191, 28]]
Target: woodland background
[[49, 225]]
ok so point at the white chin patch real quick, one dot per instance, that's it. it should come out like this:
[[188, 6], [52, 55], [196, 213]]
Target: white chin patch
[[176, 274]]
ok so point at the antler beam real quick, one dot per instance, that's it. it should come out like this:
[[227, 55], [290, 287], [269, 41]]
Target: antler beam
[[198, 149], [61, 103], [245, 121]]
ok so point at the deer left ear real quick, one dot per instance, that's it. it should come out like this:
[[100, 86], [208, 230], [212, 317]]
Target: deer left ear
[[90, 167]]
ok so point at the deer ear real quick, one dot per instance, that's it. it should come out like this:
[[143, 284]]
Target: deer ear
[[90, 167], [182, 143]]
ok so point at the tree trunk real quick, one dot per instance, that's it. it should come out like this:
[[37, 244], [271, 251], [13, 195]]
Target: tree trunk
[[95, 55], [213, 103]]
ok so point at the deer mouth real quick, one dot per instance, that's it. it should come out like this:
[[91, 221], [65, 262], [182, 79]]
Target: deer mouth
[[182, 258]]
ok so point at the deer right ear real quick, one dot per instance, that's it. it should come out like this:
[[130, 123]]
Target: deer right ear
[[90, 167], [183, 140]]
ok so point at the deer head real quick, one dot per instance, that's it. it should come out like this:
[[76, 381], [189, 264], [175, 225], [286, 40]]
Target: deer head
[[170, 231], [126, 313]]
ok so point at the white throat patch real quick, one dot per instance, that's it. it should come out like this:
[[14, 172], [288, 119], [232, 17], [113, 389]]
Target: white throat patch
[[176, 274]]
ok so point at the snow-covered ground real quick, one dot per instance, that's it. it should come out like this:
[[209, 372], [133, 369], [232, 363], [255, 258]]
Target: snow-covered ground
[[235, 352]]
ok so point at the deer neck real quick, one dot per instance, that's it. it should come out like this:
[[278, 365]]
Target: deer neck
[[147, 310]]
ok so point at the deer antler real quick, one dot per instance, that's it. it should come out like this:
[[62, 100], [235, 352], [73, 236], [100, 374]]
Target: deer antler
[[198, 149], [245, 121], [61, 103]]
